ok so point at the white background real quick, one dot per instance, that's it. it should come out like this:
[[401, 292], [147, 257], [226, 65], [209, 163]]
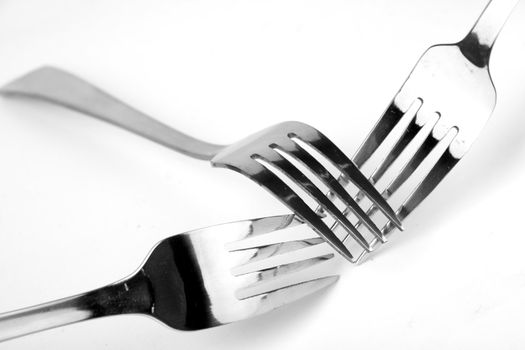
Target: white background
[[82, 202]]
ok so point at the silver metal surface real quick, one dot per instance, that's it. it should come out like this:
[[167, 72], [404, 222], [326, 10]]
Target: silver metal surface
[[201, 279], [266, 157], [449, 96]]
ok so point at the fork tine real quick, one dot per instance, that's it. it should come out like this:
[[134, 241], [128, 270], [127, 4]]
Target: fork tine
[[440, 169], [273, 266], [265, 178], [263, 251], [381, 130], [296, 266], [352, 173], [280, 296], [424, 150], [411, 131], [438, 172], [257, 254], [408, 135], [421, 154], [298, 153], [294, 174], [269, 224]]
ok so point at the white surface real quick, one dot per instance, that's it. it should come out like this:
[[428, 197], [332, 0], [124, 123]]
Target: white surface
[[82, 202]]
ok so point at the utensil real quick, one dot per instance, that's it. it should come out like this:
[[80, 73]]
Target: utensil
[[269, 157], [441, 109], [200, 279]]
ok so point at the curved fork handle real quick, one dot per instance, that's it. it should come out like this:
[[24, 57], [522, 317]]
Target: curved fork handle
[[62, 88], [478, 43], [130, 296]]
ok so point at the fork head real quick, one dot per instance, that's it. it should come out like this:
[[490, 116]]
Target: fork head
[[458, 90], [231, 272], [445, 102], [447, 84], [290, 155]]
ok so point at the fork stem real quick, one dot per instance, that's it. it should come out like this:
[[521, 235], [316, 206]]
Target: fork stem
[[129, 296], [478, 43], [57, 86]]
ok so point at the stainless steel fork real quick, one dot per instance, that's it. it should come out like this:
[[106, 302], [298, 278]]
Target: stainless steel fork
[[201, 279], [271, 157], [445, 102]]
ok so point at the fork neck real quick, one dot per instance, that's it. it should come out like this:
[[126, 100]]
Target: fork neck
[[478, 43], [129, 296]]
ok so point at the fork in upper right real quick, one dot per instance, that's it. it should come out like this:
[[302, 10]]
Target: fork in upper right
[[445, 102]]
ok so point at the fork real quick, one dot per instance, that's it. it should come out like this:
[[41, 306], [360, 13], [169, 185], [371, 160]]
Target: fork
[[287, 153], [440, 109], [201, 279]]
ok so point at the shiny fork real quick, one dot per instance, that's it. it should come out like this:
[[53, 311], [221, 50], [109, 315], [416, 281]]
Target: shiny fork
[[201, 279], [284, 155], [445, 102]]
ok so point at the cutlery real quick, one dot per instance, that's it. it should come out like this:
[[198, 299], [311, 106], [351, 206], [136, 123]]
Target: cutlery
[[200, 279], [440, 109], [290, 152]]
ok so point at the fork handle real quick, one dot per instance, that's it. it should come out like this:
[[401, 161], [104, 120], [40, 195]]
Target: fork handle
[[478, 43], [129, 296], [60, 87]]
